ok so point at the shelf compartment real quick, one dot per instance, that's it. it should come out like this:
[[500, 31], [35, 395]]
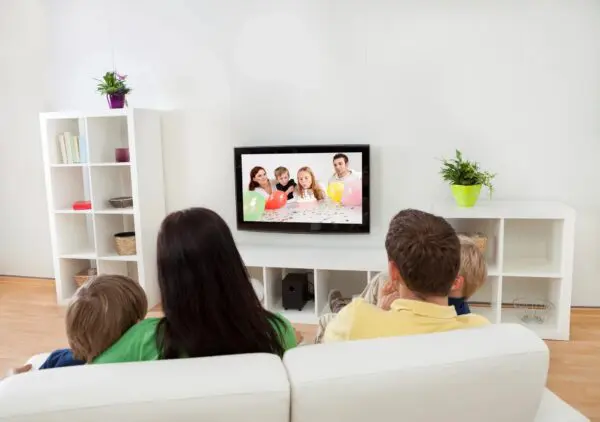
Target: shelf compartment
[[305, 316], [116, 257], [110, 164], [273, 278], [105, 134], [532, 248], [106, 227], [108, 183], [69, 184], [116, 211], [257, 273], [77, 236], [487, 300], [129, 269], [68, 269], [532, 289], [492, 228], [53, 129], [349, 283]]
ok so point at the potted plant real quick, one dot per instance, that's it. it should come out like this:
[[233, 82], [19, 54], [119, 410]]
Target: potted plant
[[114, 87], [465, 178]]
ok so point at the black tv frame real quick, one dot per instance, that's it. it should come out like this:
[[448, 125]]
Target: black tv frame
[[365, 227]]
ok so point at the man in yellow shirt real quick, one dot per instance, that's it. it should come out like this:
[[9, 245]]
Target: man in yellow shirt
[[423, 262]]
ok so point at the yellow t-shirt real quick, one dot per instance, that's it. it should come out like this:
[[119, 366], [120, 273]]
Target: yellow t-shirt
[[361, 320]]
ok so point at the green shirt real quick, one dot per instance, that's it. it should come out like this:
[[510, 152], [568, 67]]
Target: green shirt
[[139, 342]]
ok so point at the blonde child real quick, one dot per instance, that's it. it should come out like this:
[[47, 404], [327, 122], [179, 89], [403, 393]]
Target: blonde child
[[284, 183], [99, 313], [308, 189], [379, 291]]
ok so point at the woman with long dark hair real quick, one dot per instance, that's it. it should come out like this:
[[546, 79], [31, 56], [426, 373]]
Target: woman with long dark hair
[[259, 182], [210, 307]]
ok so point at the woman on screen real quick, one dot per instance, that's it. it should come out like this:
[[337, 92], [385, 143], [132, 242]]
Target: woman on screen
[[260, 183]]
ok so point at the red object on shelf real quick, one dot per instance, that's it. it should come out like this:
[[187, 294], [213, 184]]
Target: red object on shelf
[[82, 205]]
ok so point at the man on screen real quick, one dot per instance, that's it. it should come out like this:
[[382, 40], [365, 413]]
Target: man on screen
[[342, 172]]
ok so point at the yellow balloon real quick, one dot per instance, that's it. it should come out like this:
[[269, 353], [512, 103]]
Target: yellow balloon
[[335, 191]]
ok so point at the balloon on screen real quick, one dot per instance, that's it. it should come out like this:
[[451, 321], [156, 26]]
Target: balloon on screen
[[335, 190], [254, 206], [276, 200]]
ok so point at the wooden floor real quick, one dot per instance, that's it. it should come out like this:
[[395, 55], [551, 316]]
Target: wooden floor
[[31, 322]]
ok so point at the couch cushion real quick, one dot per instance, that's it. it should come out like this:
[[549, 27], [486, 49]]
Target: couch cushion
[[221, 389], [496, 374]]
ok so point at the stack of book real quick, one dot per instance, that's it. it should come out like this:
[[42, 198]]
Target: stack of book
[[72, 148]]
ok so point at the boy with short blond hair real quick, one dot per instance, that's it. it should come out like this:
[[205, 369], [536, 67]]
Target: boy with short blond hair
[[424, 256], [99, 313], [284, 183]]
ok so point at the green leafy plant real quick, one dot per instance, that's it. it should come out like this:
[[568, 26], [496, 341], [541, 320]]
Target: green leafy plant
[[462, 172], [113, 83]]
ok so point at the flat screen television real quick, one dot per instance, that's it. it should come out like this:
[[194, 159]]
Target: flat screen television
[[309, 189]]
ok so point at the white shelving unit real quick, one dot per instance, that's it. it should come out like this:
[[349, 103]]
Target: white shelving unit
[[529, 255], [84, 239]]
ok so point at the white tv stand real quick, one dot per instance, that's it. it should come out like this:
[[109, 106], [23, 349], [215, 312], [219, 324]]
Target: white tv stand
[[529, 255]]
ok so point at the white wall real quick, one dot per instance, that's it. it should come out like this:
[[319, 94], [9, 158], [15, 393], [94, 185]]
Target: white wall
[[24, 236], [513, 83], [320, 164]]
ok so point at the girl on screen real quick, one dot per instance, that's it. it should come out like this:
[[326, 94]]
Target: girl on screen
[[308, 188], [260, 183]]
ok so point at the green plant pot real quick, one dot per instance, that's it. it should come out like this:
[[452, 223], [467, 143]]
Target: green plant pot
[[466, 196]]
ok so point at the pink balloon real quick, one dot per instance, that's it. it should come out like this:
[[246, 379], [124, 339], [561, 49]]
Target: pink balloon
[[352, 195]]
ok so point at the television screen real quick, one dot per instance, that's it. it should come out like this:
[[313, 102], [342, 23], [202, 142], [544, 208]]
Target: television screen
[[303, 188]]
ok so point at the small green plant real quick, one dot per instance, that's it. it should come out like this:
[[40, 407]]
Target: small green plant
[[113, 84], [458, 171]]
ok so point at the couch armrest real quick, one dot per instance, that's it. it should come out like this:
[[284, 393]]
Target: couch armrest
[[553, 409]]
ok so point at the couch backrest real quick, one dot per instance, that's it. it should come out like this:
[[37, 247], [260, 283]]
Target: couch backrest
[[220, 389], [492, 374]]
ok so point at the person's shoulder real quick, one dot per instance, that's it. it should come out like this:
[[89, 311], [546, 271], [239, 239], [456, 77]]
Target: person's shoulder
[[145, 324], [279, 321], [360, 308], [285, 329], [473, 320]]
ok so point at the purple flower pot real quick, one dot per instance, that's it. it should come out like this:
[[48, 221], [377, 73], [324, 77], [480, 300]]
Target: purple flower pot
[[116, 100]]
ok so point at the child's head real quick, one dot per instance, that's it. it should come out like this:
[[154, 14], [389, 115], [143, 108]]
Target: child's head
[[282, 175], [101, 311], [423, 252], [307, 180], [473, 269]]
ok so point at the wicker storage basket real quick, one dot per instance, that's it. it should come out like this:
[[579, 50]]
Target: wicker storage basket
[[125, 243], [121, 202], [479, 239], [83, 276]]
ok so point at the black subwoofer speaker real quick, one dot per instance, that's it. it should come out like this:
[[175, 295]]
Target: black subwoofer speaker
[[294, 291]]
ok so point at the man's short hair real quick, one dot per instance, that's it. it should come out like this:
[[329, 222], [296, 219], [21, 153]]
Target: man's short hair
[[280, 171], [101, 311], [344, 156], [426, 250]]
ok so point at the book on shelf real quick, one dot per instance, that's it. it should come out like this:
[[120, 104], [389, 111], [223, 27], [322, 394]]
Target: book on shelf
[[62, 145], [71, 148], [82, 150]]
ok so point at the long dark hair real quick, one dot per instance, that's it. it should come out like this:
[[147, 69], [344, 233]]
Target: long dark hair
[[253, 185], [209, 304]]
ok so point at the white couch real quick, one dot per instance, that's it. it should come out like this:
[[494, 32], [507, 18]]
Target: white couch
[[493, 374]]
